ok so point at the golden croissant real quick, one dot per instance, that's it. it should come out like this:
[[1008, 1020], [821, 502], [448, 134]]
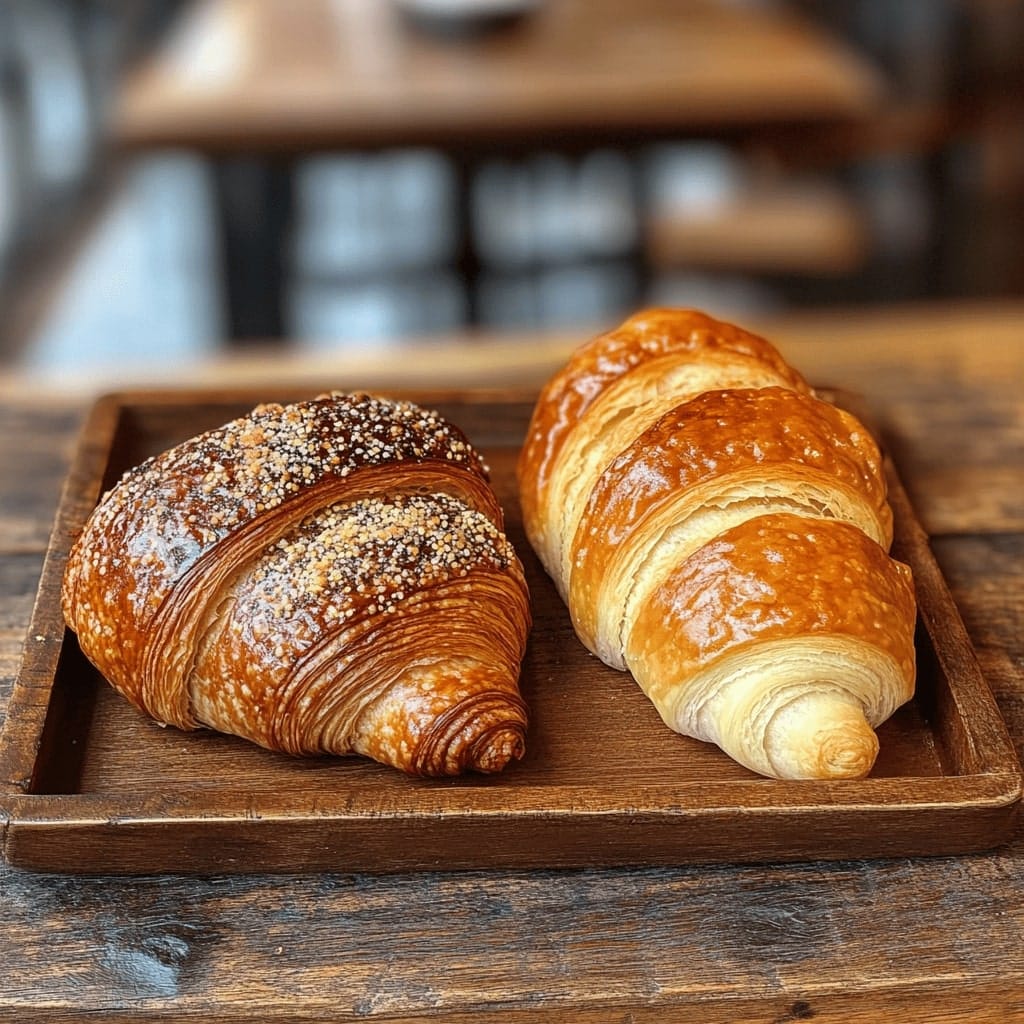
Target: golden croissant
[[722, 533], [326, 577]]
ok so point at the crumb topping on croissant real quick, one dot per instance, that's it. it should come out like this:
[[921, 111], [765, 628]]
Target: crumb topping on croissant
[[253, 464], [369, 556]]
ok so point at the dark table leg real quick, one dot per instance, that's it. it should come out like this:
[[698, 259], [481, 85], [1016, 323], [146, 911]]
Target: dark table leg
[[254, 205], [467, 258]]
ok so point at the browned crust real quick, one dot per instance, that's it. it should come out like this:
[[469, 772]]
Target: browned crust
[[651, 334], [740, 438], [776, 577]]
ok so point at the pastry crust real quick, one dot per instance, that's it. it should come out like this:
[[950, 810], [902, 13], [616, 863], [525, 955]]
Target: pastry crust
[[710, 462], [682, 484], [702, 351], [731, 622], [283, 577]]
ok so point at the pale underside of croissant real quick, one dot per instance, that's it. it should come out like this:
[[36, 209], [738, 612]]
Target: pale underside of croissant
[[328, 577], [722, 533]]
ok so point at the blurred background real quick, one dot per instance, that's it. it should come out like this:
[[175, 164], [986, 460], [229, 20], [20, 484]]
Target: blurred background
[[181, 179]]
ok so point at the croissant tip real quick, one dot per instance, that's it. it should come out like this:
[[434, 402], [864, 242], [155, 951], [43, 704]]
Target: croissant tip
[[483, 732], [819, 735], [848, 754], [496, 751]]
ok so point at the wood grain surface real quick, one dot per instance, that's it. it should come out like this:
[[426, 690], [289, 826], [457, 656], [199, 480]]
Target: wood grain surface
[[901, 939]]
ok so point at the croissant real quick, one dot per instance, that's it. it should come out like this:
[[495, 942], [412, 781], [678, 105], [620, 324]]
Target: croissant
[[722, 533], [326, 577]]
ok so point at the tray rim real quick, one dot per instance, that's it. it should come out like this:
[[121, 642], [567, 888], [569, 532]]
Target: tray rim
[[996, 784]]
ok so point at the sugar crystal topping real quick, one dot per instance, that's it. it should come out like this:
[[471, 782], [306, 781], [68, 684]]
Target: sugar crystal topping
[[192, 495], [371, 555]]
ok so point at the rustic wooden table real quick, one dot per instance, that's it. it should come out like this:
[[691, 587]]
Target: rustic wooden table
[[909, 940], [256, 84]]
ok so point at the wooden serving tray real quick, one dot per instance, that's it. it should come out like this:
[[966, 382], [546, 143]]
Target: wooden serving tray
[[88, 784]]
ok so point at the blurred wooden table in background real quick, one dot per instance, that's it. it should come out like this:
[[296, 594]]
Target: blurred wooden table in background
[[256, 84], [280, 75], [901, 940]]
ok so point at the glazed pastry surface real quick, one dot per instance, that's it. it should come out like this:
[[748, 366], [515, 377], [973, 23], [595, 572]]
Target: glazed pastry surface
[[286, 577], [686, 342], [774, 619], [682, 485]]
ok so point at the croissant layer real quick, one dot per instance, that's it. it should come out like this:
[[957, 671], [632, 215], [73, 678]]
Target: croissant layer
[[763, 586], [717, 459], [610, 372], [330, 577]]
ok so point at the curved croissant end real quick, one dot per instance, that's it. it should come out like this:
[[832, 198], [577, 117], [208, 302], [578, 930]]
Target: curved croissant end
[[784, 642], [330, 577], [434, 723], [821, 735]]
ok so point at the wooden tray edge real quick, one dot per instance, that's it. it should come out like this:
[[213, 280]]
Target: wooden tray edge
[[465, 841], [26, 713]]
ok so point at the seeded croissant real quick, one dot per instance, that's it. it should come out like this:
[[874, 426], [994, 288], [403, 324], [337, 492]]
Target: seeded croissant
[[327, 577], [722, 533]]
